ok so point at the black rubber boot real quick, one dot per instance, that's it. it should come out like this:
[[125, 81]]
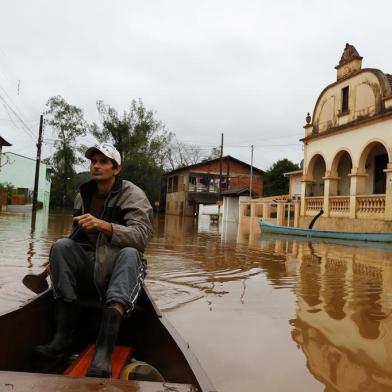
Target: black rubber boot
[[101, 364], [65, 317]]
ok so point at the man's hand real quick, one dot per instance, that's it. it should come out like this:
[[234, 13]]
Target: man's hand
[[90, 223]]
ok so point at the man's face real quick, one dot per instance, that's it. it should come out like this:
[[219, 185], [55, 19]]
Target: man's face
[[102, 168]]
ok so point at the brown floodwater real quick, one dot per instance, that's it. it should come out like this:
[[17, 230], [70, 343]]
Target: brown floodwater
[[261, 313]]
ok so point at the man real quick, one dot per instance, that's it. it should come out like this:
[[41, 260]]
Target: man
[[102, 257]]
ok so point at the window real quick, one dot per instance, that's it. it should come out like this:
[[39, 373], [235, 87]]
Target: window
[[170, 185], [175, 184], [345, 94]]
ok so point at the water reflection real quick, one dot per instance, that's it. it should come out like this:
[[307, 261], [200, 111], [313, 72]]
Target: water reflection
[[266, 297], [24, 246], [343, 316]]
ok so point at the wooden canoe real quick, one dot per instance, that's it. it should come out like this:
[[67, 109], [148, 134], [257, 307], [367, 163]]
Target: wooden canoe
[[147, 334], [343, 235]]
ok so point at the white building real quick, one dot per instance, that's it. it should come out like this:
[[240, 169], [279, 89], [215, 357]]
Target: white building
[[347, 168], [19, 171]]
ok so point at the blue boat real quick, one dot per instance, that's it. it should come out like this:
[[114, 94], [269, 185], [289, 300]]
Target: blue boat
[[309, 233]]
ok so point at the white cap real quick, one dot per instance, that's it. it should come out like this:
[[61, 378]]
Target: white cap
[[106, 149]]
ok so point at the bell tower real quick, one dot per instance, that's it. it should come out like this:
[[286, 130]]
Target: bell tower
[[350, 62]]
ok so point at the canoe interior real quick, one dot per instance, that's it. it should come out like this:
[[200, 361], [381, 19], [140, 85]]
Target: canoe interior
[[120, 358], [152, 337], [26, 382]]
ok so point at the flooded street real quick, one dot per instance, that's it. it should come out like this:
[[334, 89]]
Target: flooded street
[[261, 314]]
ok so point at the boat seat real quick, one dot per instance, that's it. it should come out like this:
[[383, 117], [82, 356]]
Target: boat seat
[[120, 357]]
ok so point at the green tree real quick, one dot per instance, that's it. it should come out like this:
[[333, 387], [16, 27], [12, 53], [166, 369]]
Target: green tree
[[68, 123], [142, 140], [275, 183], [136, 131], [143, 171]]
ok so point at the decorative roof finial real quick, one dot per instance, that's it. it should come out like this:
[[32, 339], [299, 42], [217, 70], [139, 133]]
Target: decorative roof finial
[[308, 119], [349, 54]]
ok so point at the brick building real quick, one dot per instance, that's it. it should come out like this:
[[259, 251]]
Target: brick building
[[190, 186]]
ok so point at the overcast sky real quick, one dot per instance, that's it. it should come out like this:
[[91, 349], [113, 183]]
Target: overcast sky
[[249, 69]]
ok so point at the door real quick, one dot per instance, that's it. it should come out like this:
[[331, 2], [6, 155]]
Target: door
[[380, 163]]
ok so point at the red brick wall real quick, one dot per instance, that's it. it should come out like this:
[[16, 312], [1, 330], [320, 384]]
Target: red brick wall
[[213, 167], [240, 175], [244, 181]]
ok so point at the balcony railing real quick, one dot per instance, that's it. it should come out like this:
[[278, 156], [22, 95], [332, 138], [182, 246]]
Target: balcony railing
[[203, 188], [367, 206], [313, 204], [339, 205], [370, 205]]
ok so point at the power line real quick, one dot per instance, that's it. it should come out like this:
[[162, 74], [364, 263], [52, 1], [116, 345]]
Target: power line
[[234, 145], [272, 138], [25, 126], [243, 145], [16, 107], [26, 121], [250, 141]]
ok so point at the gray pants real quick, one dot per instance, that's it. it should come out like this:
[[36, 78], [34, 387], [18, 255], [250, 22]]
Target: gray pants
[[72, 273]]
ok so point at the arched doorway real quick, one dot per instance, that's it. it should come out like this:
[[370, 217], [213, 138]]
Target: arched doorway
[[314, 175], [341, 168], [374, 160]]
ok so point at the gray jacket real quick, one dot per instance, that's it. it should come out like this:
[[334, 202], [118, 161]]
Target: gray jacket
[[130, 213]]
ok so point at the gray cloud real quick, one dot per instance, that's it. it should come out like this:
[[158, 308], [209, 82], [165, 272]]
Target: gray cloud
[[250, 69]]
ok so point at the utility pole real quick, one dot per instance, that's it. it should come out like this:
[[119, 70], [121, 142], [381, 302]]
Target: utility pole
[[251, 172], [37, 163], [220, 176]]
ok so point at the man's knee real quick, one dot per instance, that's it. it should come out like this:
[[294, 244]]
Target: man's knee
[[128, 256], [61, 251], [62, 244], [129, 253]]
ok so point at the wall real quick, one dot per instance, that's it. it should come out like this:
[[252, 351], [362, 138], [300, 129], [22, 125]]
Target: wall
[[295, 184], [353, 141], [231, 209], [20, 172], [176, 204], [365, 99], [209, 209], [344, 224]]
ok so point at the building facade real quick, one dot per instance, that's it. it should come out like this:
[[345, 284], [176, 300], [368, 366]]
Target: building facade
[[193, 185], [295, 181], [19, 171], [347, 168]]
